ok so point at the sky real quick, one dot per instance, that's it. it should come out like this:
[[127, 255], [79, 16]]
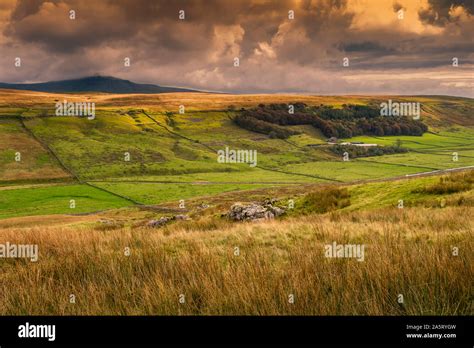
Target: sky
[[282, 46]]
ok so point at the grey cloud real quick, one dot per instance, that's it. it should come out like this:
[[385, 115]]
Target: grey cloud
[[438, 11]]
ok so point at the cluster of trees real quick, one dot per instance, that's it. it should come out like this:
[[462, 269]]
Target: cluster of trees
[[349, 121], [347, 112], [259, 126], [359, 151], [379, 126]]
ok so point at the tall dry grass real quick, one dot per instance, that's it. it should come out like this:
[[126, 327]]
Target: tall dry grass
[[407, 252]]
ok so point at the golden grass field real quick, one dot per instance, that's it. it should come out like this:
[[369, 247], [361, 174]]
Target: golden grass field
[[167, 101], [30, 100], [408, 252]]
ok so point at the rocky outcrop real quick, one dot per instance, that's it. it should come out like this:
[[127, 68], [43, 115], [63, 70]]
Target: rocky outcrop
[[160, 222], [253, 212], [165, 219]]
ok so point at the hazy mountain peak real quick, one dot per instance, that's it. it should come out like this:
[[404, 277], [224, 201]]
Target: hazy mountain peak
[[96, 83]]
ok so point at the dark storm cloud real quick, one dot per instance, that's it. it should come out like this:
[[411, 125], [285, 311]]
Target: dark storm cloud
[[366, 46], [48, 23], [26, 8], [438, 11]]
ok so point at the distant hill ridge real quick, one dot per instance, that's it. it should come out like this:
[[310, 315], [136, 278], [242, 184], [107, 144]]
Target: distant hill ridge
[[106, 84]]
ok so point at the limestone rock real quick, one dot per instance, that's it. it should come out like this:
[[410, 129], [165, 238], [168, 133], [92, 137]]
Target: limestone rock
[[253, 211]]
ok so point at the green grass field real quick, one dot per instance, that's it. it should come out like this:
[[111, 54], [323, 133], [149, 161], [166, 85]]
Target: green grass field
[[56, 200], [154, 157], [154, 193], [22, 157], [452, 137]]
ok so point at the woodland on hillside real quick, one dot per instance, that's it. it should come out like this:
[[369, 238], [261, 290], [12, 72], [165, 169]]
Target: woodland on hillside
[[346, 122]]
